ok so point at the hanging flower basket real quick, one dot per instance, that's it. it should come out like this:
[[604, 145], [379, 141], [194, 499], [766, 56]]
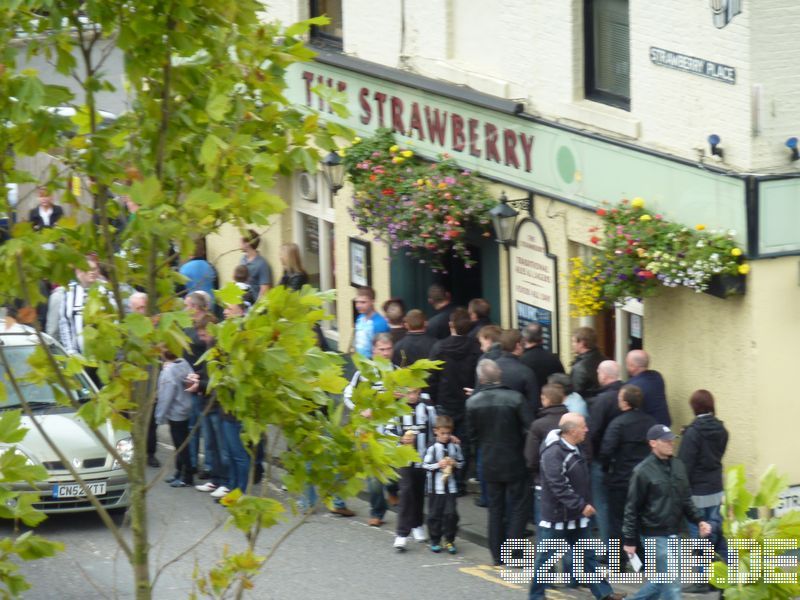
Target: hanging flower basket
[[639, 252], [419, 208]]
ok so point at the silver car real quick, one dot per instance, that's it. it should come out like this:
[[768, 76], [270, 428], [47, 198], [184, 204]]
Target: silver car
[[101, 473]]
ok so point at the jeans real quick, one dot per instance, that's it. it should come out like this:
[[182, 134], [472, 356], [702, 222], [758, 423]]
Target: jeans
[[239, 458], [711, 515], [600, 501], [310, 499], [537, 505], [377, 500], [194, 443], [509, 506], [664, 554], [571, 536], [219, 459]]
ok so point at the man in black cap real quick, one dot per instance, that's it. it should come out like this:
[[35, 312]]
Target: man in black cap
[[659, 498]]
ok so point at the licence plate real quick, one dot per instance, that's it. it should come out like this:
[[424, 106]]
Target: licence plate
[[75, 490]]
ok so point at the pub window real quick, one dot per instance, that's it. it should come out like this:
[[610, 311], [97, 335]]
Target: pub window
[[330, 35], [608, 53], [315, 234]]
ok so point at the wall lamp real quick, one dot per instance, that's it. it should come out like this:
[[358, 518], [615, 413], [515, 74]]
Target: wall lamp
[[504, 216], [333, 170], [713, 141], [791, 144]]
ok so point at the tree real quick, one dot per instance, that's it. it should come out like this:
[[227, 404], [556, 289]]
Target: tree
[[208, 132], [750, 525]]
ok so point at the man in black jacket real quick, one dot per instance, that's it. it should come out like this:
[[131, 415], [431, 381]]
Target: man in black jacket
[[415, 344], [479, 310], [446, 387], [654, 394], [624, 446], [517, 376], [547, 420], [496, 423], [587, 358], [659, 499], [439, 323], [535, 357], [603, 409], [566, 506]]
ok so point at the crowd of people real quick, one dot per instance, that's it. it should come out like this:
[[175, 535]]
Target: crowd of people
[[215, 455], [574, 454], [570, 453]]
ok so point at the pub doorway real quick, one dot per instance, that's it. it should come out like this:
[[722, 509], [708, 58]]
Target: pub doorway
[[410, 279]]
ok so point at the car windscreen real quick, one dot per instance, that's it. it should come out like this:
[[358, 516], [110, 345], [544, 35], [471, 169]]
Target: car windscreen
[[35, 394]]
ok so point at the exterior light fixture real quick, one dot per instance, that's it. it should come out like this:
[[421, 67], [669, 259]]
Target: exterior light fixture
[[713, 141], [333, 170], [791, 144], [504, 218]]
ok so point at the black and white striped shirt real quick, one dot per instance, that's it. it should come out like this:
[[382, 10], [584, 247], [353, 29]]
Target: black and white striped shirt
[[71, 319], [435, 453], [421, 419]]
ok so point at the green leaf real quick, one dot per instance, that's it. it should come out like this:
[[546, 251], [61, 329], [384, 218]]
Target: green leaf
[[229, 294], [770, 488], [139, 325], [11, 430], [217, 106]]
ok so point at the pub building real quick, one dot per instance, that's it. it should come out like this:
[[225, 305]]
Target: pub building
[[557, 174]]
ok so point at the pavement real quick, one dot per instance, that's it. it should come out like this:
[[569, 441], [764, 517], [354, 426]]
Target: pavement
[[473, 520]]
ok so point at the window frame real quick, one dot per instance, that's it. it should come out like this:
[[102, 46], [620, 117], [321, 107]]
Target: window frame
[[590, 91], [319, 38], [324, 212]]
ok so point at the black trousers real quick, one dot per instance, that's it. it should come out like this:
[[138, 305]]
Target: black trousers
[[151, 434], [179, 430], [616, 511], [442, 517], [412, 500], [511, 497]]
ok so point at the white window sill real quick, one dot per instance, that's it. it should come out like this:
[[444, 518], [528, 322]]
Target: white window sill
[[600, 116]]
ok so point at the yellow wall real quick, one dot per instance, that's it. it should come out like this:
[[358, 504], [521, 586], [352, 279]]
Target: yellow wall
[[773, 407], [699, 341]]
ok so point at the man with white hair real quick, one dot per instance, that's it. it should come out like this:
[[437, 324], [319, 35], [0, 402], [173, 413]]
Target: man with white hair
[[496, 424], [637, 362], [566, 502]]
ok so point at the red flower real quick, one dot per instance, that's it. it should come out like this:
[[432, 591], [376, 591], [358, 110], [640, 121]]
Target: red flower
[[372, 177], [647, 274], [595, 240], [601, 212], [388, 192]]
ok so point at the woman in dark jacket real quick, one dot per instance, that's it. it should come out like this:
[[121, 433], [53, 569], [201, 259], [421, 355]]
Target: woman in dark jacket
[[702, 445], [294, 276]]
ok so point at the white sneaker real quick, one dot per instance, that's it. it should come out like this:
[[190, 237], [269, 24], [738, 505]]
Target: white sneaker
[[400, 543], [419, 534], [220, 492], [206, 487]]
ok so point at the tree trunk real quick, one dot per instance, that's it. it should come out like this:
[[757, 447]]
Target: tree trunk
[[138, 509]]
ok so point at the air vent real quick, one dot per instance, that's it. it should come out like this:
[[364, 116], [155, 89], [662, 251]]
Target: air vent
[[94, 463], [308, 186]]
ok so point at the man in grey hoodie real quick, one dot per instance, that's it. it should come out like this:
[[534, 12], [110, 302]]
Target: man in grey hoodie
[[175, 407]]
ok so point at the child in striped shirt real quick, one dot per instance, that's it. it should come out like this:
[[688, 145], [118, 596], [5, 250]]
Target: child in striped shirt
[[441, 461]]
